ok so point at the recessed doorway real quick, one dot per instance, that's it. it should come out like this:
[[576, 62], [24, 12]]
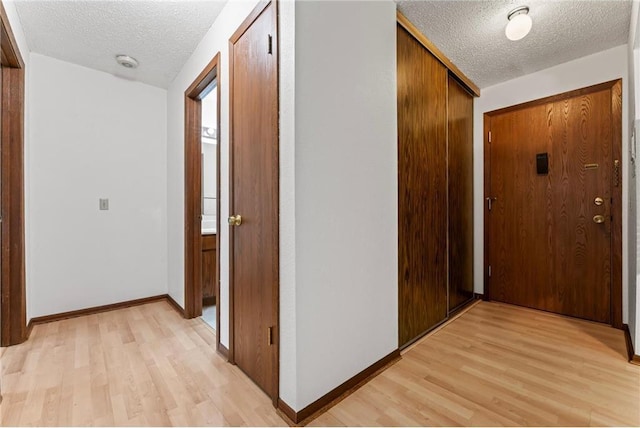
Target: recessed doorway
[[202, 197]]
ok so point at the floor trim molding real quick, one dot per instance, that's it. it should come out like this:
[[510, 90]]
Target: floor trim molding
[[631, 355], [339, 393], [222, 350], [94, 310], [175, 305]]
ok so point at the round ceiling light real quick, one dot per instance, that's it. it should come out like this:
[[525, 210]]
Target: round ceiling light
[[127, 61], [519, 23]]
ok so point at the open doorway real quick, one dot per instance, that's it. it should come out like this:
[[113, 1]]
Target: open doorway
[[202, 198], [209, 166]]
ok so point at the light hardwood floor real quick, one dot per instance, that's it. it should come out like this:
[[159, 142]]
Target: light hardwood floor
[[143, 365], [503, 365], [494, 365]]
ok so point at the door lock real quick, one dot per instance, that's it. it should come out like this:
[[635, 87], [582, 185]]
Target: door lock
[[598, 201], [598, 219], [235, 220]]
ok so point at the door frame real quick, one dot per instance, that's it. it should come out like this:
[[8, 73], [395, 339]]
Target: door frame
[[275, 360], [12, 282], [200, 87], [616, 191]]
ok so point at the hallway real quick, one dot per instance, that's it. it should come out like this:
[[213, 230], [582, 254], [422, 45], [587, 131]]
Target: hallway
[[494, 365]]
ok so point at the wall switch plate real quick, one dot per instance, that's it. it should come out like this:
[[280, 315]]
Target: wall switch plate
[[104, 204]]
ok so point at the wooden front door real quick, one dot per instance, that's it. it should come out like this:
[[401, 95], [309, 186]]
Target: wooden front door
[[550, 229], [254, 198]]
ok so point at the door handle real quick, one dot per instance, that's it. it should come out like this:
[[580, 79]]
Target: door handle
[[235, 220], [598, 219]]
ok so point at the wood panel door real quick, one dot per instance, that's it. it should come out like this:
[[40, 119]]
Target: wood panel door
[[460, 167], [422, 189], [550, 234], [254, 198]]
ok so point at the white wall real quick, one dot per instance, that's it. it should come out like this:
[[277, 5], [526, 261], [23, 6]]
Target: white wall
[[346, 261], [93, 135], [597, 68], [216, 40]]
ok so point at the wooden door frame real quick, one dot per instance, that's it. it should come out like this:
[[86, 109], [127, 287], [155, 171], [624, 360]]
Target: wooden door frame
[[257, 11], [616, 191], [12, 289], [193, 192]]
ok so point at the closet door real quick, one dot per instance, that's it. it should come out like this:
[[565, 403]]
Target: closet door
[[422, 189], [460, 143]]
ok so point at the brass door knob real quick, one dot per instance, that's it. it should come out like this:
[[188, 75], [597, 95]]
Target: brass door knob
[[598, 219], [235, 220], [598, 201]]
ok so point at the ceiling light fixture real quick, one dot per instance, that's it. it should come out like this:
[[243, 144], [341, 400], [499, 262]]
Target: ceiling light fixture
[[127, 61], [519, 23]]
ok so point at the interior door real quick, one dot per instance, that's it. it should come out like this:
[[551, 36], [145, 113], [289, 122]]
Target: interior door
[[254, 199], [550, 230], [422, 189]]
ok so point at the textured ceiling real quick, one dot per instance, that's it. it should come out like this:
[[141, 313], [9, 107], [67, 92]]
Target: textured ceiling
[[161, 35], [471, 33]]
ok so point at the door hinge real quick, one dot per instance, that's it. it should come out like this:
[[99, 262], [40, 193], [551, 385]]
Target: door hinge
[[489, 136], [270, 44], [489, 271], [269, 336]]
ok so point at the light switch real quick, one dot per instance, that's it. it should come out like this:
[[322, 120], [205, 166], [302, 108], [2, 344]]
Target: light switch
[[104, 204]]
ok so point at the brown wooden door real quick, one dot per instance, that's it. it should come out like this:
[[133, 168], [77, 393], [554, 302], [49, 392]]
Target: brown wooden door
[[460, 155], [545, 249], [254, 197], [422, 189]]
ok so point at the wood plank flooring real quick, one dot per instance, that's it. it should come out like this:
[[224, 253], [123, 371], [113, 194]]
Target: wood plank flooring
[[503, 365], [140, 366], [494, 365]]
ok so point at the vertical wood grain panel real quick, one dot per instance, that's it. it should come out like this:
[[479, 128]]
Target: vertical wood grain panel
[[422, 188], [13, 299], [254, 176], [545, 250], [14, 318], [460, 167]]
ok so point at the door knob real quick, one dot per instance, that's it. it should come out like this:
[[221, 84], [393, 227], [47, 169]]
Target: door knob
[[235, 220], [598, 219], [598, 201]]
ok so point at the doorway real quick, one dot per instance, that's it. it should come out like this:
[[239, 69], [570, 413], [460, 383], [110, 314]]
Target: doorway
[[202, 197], [253, 198], [553, 187]]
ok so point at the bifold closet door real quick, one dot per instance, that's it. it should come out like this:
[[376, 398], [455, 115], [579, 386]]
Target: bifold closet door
[[422, 189], [460, 144]]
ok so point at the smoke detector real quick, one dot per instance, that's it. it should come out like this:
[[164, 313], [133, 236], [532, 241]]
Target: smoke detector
[[127, 61]]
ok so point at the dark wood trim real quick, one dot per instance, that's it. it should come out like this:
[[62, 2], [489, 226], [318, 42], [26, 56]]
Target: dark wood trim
[[11, 56], [558, 97], [96, 310], [193, 188], [255, 13], [631, 355], [487, 194], [13, 300], [222, 350], [340, 392], [287, 413], [424, 41], [616, 207], [175, 305]]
